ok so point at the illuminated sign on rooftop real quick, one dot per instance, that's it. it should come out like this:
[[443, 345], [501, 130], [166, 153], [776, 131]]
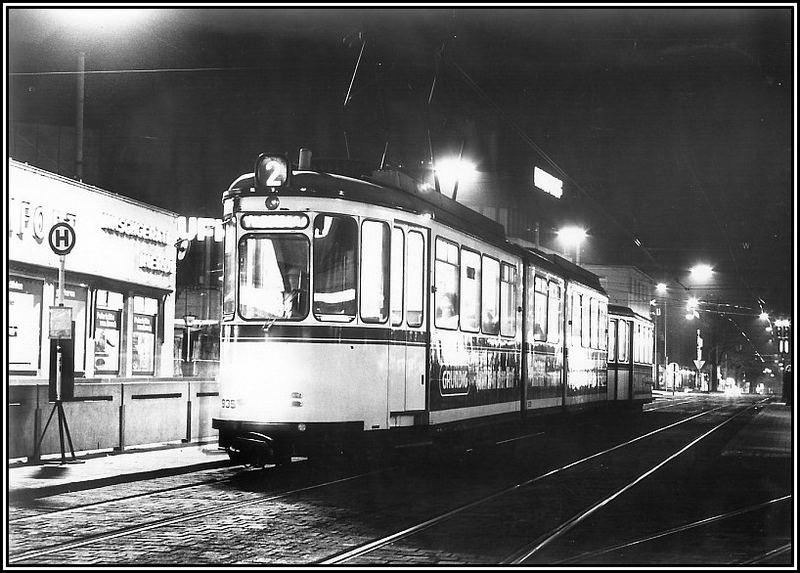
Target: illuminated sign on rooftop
[[547, 182]]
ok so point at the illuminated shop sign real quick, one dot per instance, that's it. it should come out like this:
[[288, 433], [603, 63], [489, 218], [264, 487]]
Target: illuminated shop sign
[[547, 182], [26, 218], [191, 228], [134, 229]]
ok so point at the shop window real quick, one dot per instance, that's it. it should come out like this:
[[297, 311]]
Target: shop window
[[145, 312], [375, 271], [107, 330], [446, 284], [470, 291], [24, 325], [76, 298]]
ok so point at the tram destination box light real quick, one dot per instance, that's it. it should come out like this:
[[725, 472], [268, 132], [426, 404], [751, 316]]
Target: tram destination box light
[[271, 173]]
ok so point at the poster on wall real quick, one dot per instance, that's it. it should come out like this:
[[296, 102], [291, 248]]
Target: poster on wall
[[144, 341], [106, 341], [24, 324]]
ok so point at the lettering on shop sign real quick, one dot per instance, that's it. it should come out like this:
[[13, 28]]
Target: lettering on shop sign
[[134, 229], [35, 220], [155, 264]]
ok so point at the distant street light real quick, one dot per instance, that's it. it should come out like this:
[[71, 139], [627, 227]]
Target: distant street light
[[573, 236], [661, 288]]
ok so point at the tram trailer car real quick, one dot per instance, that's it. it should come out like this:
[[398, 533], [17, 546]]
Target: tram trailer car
[[365, 310]]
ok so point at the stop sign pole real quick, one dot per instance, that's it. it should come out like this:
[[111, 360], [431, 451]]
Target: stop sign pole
[[62, 241]]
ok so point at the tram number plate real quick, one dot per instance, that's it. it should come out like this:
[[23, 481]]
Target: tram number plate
[[228, 403]]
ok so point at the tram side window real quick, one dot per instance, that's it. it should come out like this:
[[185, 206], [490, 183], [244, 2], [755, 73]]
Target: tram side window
[[612, 340], [490, 295], [397, 277], [447, 275], [576, 319], [335, 242], [603, 324], [585, 322], [375, 271], [539, 309], [273, 277], [415, 287], [623, 341], [228, 259], [508, 300], [470, 290], [594, 319], [554, 313]]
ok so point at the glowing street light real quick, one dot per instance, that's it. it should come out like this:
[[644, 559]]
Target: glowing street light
[[573, 236], [763, 316], [453, 172], [661, 288], [702, 272]]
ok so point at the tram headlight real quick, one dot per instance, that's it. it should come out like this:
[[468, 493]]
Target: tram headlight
[[272, 202]]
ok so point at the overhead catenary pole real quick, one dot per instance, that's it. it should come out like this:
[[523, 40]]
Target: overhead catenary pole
[[80, 96]]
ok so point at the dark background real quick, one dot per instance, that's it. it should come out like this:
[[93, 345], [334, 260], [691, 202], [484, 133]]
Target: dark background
[[671, 127]]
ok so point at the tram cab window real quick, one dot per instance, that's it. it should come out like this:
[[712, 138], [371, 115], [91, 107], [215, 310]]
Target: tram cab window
[[446, 283], [594, 321], [508, 300], [375, 271], [273, 277], [415, 286], [470, 290], [228, 268], [490, 296], [335, 267]]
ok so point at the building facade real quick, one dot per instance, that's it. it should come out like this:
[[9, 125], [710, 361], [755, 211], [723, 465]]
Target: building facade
[[119, 279]]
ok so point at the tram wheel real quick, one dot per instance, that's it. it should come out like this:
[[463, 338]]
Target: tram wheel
[[237, 458]]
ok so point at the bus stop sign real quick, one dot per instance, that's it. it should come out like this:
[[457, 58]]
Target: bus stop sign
[[61, 238]]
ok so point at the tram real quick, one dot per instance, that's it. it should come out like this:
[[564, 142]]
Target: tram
[[365, 308]]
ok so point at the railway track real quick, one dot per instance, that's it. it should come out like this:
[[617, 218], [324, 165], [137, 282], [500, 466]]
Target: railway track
[[417, 542]]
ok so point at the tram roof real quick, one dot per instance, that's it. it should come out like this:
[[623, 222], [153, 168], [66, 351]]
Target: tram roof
[[619, 310], [386, 189], [389, 188]]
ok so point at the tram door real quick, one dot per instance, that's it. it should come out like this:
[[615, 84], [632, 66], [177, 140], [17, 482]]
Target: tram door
[[407, 352]]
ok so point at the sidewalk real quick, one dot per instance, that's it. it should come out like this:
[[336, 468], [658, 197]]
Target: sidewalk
[[96, 470]]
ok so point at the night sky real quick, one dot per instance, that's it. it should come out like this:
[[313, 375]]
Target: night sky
[[674, 126]]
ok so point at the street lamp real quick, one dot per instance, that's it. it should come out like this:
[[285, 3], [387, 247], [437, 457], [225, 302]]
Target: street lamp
[[454, 171], [702, 272], [573, 236]]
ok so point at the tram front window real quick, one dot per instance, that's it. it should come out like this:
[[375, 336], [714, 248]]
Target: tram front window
[[273, 277]]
